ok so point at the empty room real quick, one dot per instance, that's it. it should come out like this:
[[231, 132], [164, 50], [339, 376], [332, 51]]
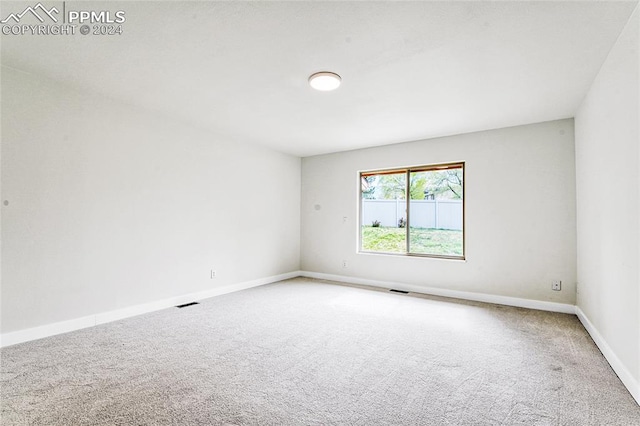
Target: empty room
[[320, 213]]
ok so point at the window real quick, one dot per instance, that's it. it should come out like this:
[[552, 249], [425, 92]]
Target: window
[[413, 211]]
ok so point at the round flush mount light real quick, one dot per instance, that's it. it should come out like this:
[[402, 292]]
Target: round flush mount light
[[325, 81]]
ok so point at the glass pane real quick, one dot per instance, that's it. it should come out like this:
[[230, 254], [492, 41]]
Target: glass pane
[[384, 207], [435, 215]]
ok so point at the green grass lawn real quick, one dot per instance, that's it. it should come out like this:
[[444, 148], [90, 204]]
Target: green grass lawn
[[423, 241]]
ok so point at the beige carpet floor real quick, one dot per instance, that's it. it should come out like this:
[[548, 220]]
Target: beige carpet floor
[[305, 352]]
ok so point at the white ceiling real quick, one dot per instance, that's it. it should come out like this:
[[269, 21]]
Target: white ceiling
[[410, 70]]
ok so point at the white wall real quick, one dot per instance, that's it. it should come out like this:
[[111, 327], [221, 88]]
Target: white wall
[[110, 206], [520, 213], [608, 193]]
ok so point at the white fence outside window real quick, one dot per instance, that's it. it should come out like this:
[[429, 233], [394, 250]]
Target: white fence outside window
[[441, 214]]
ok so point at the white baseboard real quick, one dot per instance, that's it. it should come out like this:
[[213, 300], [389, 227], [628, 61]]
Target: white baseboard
[[20, 336], [623, 373], [466, 295]]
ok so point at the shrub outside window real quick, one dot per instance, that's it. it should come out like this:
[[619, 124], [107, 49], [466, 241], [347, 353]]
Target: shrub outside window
[[413, 211]]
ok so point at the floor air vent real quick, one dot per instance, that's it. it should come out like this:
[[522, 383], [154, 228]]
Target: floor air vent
[[393, 290], [187, 304]]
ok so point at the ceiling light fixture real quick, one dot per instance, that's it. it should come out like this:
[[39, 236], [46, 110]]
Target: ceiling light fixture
[[325, 81]]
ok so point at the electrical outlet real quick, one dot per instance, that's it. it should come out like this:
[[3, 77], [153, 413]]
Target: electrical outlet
[[344, 263], [213, 274], [556, 285]]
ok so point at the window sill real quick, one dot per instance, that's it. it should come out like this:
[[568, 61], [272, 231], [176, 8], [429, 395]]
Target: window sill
[[427, 256]]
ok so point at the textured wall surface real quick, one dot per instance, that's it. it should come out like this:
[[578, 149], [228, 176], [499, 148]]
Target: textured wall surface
[[519, 213], [110, 206], [608, 200]]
